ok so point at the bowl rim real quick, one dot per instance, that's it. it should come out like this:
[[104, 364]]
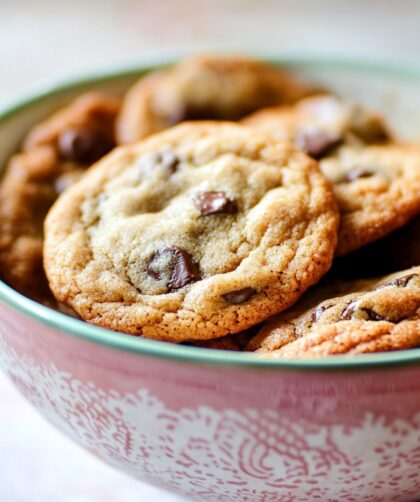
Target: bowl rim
[[154, 348]]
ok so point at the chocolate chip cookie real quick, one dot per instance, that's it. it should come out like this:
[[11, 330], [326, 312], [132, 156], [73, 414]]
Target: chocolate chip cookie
[[203, 87], [377, 183], [55, 154], [377, 189], [197, 232], [376, 314], [352, 338]]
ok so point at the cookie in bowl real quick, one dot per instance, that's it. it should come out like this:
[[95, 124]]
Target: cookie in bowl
[[197, 232], [220, 422], [204, 88], [376, 181], [55, 154], [377, 315]]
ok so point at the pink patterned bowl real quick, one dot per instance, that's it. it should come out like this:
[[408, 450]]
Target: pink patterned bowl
[[215, 425]]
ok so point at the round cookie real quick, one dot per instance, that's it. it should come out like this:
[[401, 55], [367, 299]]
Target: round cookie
[[55, 154], [394, 299], [197, 232], [203, 87], [377, 185]]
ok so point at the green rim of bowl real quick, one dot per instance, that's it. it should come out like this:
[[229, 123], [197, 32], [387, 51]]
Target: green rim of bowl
[[169, 351]]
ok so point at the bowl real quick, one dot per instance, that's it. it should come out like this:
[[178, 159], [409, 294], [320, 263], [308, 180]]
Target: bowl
[[215, 425]]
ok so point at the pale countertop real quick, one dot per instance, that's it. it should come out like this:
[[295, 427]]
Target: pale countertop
[[42, 40]]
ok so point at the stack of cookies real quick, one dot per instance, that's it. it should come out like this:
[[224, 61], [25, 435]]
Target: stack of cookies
[[209, 232]]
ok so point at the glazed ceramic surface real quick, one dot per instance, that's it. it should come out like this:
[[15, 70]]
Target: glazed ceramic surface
[[224, 426]]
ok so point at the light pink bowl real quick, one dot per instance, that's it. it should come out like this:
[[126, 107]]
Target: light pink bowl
[[215, 425]]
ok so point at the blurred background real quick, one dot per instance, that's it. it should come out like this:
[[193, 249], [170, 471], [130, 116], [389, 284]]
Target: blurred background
[[42, 40]]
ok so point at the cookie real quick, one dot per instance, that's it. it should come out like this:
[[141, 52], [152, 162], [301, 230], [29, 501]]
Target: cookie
[[390, 301], [352, 338], [203, 87], [320, 124], [55, 154], [377, 185], [197, 232], [377, 190]]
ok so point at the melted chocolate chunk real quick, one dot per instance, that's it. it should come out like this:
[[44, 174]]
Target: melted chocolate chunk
[[317, 143], [84, 145], [348, 311], [357, 173], [400, 282], [240, 296], [176, 265], [351, 308], [317, 313], [372, 315], [215, 203]]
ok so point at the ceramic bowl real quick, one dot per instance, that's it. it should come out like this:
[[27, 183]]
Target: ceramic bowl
[[215, 425]]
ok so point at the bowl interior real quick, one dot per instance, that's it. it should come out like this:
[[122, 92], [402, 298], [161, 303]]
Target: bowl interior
[[391, 90]]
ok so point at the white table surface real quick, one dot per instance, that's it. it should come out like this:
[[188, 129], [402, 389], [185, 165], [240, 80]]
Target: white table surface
[[42, 40]]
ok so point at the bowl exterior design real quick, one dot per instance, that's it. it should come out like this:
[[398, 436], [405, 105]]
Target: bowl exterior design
[[219, 433]]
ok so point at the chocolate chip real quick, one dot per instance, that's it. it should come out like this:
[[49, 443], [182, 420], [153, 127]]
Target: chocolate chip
[[372, 315], [84, 145], [351, 308], [240, 296], [215, 203], [400, 282], [357, 173], [175, 265], [317, 313], [348, 311], [317, 143]]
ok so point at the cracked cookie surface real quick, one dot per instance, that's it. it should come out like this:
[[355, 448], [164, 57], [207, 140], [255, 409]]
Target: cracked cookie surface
[[352, 338], [389, 302], [55, 154], [197, 232], [377, 183], [203, 88]]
